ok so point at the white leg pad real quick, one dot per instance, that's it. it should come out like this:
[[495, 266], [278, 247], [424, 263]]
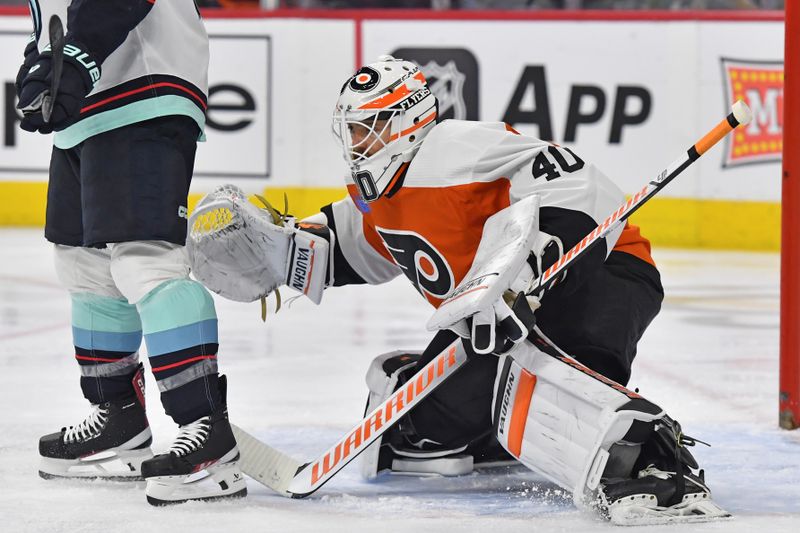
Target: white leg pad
[[381, 385], [138, 267], [560, 419]]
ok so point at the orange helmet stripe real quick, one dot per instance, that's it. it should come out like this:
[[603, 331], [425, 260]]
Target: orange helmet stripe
[[393, 97]]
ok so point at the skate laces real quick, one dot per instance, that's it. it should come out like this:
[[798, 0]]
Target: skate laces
[[89, 427], [191, 436], [679, 441]]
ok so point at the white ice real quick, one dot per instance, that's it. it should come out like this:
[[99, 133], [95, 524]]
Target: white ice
[[710, 358]]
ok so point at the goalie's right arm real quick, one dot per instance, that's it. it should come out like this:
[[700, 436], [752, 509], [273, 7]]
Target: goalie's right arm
[[243, 252]]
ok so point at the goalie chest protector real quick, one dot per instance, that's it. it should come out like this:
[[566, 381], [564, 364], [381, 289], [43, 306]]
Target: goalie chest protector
[[431, 217]]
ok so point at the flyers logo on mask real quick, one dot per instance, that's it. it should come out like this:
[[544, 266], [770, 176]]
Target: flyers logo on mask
[[365, 79], [760, 85]]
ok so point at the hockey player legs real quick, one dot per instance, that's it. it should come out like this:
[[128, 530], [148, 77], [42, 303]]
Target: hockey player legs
[[126, 135], [139, 289]]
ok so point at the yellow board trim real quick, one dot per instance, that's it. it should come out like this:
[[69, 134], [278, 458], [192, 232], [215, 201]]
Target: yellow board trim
[[667, 222]]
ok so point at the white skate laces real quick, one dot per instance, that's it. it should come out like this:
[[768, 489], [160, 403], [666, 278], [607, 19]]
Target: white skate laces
[[89, 428], [191, 436]]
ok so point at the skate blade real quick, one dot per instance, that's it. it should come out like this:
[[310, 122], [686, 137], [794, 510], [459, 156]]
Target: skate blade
[[110, 465], [162, 503], [692, 510], [439, 467], [220, 481]]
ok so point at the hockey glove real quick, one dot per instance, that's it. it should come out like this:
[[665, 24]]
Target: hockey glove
[[243, 253], [547, 250], [78, 77], [499, 328], [510, 319], [31, 55]]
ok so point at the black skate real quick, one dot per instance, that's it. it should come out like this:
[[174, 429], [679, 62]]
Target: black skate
[[201, 464], [110, 443], [667, 488]]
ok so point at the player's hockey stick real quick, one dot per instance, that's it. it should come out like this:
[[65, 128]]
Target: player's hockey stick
[[56, 31], [292, 478], [740, 115]]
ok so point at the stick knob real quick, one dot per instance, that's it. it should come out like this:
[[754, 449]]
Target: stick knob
[[742, 113]]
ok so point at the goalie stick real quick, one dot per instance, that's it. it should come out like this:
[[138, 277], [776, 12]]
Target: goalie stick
[[56, 32], [295, 479]]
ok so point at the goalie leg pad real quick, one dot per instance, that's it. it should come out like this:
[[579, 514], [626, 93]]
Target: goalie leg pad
[[401, 450], [382, 379], [560, 419], [616, 451]]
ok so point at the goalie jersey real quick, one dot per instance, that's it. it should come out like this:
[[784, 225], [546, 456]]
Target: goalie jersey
[[153, 56], [428, 223]]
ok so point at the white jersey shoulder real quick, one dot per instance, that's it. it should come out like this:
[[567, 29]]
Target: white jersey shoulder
[[456, 152]]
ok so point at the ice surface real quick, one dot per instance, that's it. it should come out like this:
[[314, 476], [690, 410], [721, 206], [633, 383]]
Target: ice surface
[[710, 359]]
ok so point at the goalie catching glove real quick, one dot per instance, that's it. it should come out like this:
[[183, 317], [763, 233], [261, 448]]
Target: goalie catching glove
[[243, 252]]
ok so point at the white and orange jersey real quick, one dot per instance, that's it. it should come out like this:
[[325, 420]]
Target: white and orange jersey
[[428, 223]]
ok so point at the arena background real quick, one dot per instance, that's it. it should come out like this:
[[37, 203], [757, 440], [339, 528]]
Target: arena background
[[628, 90]]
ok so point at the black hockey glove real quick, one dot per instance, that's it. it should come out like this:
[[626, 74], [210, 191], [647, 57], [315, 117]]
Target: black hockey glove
[[79, 75], [547, 251], [31, 55], [550, 255]]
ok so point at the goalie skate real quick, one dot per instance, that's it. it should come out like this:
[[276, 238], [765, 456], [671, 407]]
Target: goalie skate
[[644, 501]]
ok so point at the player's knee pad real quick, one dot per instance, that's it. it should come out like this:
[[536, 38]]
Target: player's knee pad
[[400, 449], [138, 267], [85, 270], [569, 423]]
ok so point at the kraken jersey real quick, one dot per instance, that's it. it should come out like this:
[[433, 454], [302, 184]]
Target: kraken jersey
[[153, 56], [429, 222]]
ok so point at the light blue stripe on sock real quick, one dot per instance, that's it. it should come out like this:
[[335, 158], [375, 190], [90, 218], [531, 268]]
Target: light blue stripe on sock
[[175, 304], [106, 340], [173, 340], [92, 312]]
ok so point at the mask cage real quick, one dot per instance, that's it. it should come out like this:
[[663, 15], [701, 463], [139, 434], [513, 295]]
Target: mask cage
[[359, 132]]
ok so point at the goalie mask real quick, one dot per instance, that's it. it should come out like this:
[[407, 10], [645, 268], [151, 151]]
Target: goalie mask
[[383, 113]]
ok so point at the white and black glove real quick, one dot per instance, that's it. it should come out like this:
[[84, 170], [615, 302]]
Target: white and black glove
[[510, 319], [493, 305], [243, 252], [506, 323], [79, 75], [546, 251]]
